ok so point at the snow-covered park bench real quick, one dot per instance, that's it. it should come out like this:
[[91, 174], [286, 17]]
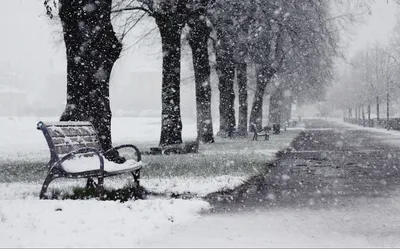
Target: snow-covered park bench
[[257, 133], [75, 153]]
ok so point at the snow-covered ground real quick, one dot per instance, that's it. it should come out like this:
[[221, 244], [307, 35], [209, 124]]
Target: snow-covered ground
[[26, 221], [364, 223], [35, 223], [391, 137]]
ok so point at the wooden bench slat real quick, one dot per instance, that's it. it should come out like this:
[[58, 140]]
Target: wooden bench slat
[[70, 131], [75, 140], [68, 123], [65, 149], [69, 136]]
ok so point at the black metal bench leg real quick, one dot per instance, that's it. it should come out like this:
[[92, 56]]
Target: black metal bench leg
[[136, 177], [50, 177], [137, 193], [100, 187], [90, 183]]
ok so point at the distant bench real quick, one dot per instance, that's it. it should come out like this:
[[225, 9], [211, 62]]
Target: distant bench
[[264, 133], [75, 152]]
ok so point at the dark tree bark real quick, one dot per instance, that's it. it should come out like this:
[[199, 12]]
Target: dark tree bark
[[198, 41], [369, 115], [377, 109], [286, 108], [257, 107], [363, 115], [263, 77], [241, 70], [92, 49], [387, 106], [226, 76], [275, 107], [170, 26]]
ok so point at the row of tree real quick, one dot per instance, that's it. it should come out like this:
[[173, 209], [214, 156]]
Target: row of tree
[[370, 83], [289, 43]]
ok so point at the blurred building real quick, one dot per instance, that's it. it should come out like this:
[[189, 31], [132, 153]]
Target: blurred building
[[13, 101]]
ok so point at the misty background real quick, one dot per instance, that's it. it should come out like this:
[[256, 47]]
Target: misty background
[[33, 64]]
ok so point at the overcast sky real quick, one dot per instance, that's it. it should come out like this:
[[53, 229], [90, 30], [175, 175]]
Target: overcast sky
[[376, 27], [29, 46]]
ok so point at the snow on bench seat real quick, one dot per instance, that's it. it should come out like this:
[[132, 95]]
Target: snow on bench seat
[[84, 164]]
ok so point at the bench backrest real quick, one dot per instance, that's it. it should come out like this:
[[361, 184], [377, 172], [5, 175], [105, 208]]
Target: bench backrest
[[65, 137]]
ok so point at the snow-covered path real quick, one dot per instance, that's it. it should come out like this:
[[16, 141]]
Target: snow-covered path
[[363, 222]]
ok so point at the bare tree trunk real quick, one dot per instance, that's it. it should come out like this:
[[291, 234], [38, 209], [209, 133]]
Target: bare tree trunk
[[356, 109], [243, 105], [377, 108], [226, 75], [170, 26], [369, 115], [387, 106], [275, 109], [92, 49], [363, 115], [198, 41], [263, 77], [286, 108]]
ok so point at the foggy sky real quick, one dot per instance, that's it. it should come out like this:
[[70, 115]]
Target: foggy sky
[[31, 45]]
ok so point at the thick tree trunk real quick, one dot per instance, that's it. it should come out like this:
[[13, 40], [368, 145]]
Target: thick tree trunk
[[241, 70], [92, 49], [256, 109], [356, 114], [369, 115], [377, 109], [76, 91], [286, 108], [275, 107], [198, 41], [387, 106], [226, 75], [263, 77], [170, 27], [363, 115]]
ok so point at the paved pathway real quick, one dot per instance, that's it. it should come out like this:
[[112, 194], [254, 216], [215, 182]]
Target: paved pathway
[[326, 165]]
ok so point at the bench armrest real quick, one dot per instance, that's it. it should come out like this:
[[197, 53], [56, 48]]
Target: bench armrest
[[80, 151], [138, 153]]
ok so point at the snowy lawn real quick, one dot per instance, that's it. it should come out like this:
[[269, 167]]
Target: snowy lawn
[[223, 165], [26, 221], [34, 223]]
